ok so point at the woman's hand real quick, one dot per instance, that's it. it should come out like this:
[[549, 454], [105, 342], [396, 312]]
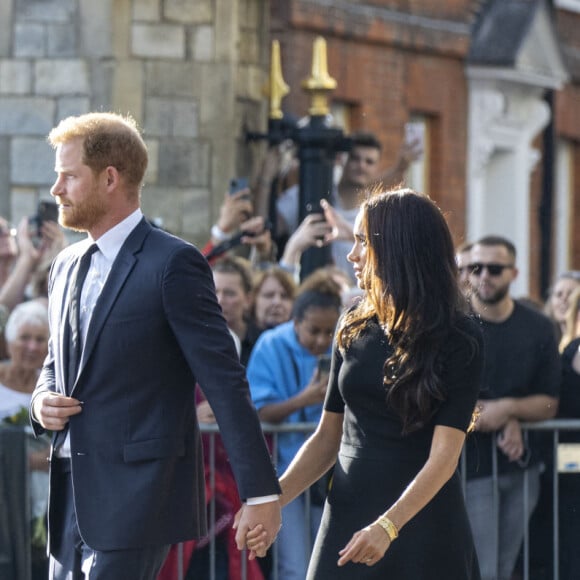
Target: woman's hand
[[367, 546]]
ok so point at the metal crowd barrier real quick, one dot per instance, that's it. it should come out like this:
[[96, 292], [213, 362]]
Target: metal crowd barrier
[[553, 426]]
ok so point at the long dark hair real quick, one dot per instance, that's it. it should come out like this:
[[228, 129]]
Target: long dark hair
[[410, 279]]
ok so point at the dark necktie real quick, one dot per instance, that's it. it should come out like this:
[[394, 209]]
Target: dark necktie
[[76, 287]]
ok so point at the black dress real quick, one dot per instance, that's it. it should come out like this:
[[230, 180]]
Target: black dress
[[376, 463]]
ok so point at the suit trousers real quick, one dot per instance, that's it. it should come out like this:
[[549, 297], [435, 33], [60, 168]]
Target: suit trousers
[[72, 559]]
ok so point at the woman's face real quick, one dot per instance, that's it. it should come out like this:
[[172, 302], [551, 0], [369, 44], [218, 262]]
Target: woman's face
[[358, 254], [273, 304], [30, 347], [316, 329], [231, 297], [560, 298]]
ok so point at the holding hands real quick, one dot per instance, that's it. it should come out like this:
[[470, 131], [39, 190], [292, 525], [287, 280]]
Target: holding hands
[[257, 527]]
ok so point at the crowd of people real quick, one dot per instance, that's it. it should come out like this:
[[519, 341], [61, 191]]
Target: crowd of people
[[403, 351]]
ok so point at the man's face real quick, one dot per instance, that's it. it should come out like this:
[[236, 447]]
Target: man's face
[[492, 272], [78, 192], [362, 166], [232, 297]]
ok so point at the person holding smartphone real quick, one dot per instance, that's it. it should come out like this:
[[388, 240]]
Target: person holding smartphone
[[288, 377]]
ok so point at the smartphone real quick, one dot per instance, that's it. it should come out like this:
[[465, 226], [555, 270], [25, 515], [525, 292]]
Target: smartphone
[[323, 365], [47, 212], [237, 184]]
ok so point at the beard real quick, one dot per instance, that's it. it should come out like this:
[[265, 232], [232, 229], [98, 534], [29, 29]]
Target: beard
[[494, 297], [82, 216]]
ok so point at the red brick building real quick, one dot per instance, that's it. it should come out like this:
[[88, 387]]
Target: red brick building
[[496, 84]]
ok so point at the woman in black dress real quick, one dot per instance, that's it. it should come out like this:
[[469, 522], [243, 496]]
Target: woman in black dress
[[403, 387]]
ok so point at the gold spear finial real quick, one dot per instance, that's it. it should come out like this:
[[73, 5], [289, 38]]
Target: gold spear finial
[[277, 89], [320, 82]]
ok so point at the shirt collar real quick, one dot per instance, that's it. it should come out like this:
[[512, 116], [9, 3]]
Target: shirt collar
[[111, 241]]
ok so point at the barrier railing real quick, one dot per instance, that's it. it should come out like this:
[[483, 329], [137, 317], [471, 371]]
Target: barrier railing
[[553, 426]]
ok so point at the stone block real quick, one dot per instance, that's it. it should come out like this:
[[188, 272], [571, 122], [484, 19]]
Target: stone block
[[226, 31], [23, 201], [6, 30], [163, 203], [171, 118], [153, 165], [61, 77], [95, 28], [250, 13], [5, 177], [183, 163], [148, 10], [15, 77], [158, 41], [102, 72], [188, 11], [26, 116], [176, 79], [249, 47], [195, 212], [31, 161], [72, 107], [203, 44], [127, 89], [46, 10], [217, 79], [250, 80], [29, 40], [121, 29], [61, 40]]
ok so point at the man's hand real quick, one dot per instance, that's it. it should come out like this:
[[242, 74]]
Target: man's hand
[[53, 411], [257, 235], [510, 440], [235, 210], [341, 229], [268, 517]]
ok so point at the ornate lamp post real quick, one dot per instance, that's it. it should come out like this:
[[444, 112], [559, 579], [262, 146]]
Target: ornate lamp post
[[317, 141]]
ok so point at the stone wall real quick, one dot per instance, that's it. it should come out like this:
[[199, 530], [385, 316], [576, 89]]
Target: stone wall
[[189, 71]]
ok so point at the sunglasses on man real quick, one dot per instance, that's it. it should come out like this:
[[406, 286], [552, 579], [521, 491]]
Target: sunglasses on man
[[477, 268]]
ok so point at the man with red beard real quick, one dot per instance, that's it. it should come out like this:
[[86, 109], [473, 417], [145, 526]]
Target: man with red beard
[[520, 383]]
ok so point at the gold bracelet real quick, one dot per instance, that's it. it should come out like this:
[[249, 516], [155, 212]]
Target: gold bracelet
[[389, 527]]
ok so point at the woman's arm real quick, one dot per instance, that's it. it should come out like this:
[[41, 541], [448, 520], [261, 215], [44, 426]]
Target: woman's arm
[[314, 459], [369, 545]]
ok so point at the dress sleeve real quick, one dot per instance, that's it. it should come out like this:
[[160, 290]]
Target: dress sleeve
[[334, 401], [462, 374]]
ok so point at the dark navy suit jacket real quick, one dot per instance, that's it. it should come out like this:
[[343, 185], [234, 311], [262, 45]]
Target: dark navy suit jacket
[[156, 330]]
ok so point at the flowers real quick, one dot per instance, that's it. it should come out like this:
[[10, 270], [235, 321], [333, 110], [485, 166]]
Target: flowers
[[21, 417]]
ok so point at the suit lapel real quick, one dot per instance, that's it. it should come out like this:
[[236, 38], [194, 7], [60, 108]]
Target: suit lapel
[[122, 267]]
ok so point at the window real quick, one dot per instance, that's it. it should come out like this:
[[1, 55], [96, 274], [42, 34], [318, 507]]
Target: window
[[417, 130]]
